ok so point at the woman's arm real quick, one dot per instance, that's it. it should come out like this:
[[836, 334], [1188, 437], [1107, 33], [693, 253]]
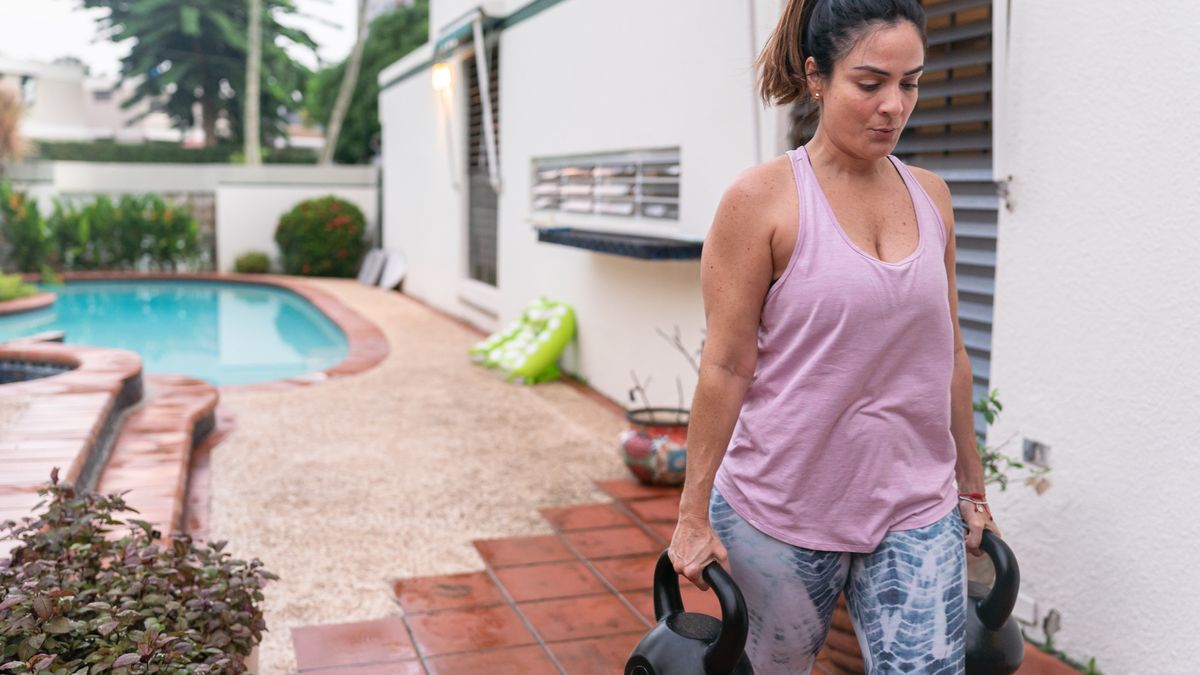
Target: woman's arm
[[968, 467], [735, 273]]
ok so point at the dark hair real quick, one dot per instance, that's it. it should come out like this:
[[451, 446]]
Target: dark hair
[[826, 30]]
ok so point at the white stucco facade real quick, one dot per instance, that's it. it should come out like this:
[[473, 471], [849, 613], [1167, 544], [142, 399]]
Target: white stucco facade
[[582, 77], [1097, 296], [1097, 313]]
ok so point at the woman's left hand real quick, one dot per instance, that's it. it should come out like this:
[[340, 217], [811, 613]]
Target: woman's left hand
[[976, 522]]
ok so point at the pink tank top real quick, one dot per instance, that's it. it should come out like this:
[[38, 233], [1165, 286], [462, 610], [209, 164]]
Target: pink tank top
[[844, 432]]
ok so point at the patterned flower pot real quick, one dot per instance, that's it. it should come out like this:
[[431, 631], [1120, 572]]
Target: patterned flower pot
[[654, 446]]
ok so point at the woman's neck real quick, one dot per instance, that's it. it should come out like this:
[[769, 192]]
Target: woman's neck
[[833, 159]]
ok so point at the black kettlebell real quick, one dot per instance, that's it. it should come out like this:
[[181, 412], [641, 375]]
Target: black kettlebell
[[994, 642], [687, 643]]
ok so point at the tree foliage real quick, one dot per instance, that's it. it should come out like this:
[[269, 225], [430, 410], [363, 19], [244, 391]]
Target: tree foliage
[[390, 37], [185, 52]]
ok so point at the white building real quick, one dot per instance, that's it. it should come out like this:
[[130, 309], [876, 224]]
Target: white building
[[1078, 295], [63, 103]]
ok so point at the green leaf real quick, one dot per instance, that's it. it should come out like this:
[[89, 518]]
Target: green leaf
[[126, 660], [42, 607], [58, 626], [189, 20]]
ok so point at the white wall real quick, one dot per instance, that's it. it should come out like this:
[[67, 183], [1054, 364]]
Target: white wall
[[584, 76], [247, 214], [249, 200], [1097, 313]]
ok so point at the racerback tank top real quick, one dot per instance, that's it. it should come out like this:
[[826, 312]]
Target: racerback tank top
[[844, 432]]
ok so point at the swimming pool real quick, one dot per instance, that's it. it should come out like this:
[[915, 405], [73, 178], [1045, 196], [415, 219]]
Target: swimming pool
[[225, 333]]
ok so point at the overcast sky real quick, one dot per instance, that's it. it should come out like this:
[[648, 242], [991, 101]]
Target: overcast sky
[[43, 30]]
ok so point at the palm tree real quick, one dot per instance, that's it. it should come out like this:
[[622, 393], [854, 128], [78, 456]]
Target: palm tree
[[346, 90], [195, 51], [252, 149]]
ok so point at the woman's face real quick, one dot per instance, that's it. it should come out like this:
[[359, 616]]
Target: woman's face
[[866, 101]]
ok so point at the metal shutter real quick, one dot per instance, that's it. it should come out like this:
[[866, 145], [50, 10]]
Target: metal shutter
[[482, 198], [950, 132]]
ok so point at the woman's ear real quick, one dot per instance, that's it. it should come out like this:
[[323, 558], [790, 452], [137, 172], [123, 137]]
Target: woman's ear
[[812, 77]]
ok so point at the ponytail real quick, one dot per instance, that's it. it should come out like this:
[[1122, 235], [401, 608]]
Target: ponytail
[[781, 77]]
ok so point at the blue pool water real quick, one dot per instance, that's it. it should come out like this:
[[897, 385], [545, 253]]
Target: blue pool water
[[224, 333]]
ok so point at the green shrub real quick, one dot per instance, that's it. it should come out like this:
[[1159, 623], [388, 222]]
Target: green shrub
[[321, 237], [133, 232], [163, 152], [125, 234], [252, 262], [22, 228], [75, 599], [110, 151], [50, 277], [12, 287]]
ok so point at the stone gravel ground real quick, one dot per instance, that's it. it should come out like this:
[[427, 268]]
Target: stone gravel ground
[[11, 408], [343, 486]]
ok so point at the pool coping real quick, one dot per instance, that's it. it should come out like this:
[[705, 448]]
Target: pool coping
[[27, 304], [366, 344]]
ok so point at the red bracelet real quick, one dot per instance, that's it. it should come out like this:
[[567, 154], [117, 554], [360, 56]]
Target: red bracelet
[[978, 499]]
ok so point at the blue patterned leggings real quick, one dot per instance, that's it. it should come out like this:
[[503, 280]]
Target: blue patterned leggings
[[907, 598]]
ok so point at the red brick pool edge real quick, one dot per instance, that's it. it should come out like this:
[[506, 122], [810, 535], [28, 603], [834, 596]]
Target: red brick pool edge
[[27, 304]]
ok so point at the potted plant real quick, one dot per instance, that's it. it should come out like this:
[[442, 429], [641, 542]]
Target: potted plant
[[842, 645], [654, 446]]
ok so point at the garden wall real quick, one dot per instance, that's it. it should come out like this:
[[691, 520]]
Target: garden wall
[[237, 207]]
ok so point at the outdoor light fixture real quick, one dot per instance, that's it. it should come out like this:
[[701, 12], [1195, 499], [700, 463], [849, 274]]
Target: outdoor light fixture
[[441, 76]]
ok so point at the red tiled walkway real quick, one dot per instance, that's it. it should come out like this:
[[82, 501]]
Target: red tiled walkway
[[575, 602]]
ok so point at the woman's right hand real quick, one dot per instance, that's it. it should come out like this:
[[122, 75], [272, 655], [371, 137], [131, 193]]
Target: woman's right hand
[[693, 546]]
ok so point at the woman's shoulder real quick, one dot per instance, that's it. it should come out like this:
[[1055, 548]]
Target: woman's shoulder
[[765, 189], [763, 182], [933, 184]]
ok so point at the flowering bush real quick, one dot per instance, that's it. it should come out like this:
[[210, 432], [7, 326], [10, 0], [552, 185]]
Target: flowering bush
[[322, 237], [76, 599]]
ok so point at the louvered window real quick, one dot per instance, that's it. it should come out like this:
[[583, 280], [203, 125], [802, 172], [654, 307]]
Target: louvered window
[[482, 216], [950, 133], [640, 185]]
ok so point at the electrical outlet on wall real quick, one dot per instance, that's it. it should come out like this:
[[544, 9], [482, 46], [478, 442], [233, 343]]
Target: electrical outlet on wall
[[1036, 452]]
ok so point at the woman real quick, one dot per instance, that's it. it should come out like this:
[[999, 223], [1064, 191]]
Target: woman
[[832, 444]]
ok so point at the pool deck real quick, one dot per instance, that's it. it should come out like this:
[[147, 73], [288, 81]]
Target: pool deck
[[345, 487]]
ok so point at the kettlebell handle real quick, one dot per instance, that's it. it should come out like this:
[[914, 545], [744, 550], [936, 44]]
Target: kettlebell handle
[[723, 654], [995, 609]]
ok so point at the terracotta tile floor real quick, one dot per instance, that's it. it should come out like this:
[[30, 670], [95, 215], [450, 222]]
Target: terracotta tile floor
[[573, 602]]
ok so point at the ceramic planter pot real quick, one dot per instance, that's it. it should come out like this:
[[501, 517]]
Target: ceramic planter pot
[[654, 446]]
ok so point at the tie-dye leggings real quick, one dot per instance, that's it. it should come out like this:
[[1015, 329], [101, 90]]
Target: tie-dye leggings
[[907, 598]]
